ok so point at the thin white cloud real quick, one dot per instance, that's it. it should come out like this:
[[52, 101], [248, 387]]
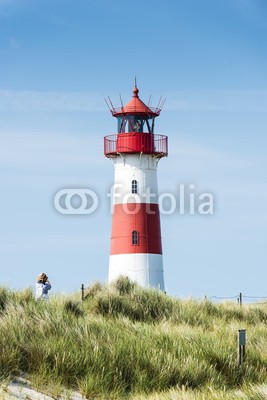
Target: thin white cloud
[[192, 157], [35, 152], [50, 242], [213, 100], [27, 100], [218, 100]]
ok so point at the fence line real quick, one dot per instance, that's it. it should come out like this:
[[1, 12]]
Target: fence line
[[239, 297], [222, 298]]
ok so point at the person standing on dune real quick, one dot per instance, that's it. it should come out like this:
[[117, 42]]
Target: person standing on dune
[[42, 287]]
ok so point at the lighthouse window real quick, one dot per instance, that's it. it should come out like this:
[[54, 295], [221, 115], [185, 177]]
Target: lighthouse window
[[135, 123], [135, 238], [121, 124], [149, 127], [134, 186]]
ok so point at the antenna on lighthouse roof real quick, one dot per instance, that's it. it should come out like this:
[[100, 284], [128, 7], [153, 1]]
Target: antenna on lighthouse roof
[[110, 105], [135, 81], [162, 103], [159, 101], [121, 101]]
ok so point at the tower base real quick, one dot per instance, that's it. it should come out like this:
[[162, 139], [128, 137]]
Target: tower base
[[144, 269]]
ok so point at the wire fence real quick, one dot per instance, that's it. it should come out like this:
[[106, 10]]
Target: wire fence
[[240, 298]]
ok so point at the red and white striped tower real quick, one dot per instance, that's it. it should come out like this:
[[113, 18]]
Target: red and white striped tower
[[136, 249]]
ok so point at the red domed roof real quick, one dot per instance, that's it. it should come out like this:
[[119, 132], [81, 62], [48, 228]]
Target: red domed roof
[[136, 106]]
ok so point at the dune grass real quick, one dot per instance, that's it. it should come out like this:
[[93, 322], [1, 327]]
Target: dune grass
[[127, 342]]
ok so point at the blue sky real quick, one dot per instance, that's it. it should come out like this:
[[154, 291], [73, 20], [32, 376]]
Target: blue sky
[[59, 60]]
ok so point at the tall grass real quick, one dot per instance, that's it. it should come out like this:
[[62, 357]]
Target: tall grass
[[124, 341]]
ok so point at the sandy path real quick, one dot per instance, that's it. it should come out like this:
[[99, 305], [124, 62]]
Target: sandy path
[[20, 388]]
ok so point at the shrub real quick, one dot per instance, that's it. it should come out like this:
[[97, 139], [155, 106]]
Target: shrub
[[73, 307], [93, 290], [3, 298], [124, 285], [148, 305]]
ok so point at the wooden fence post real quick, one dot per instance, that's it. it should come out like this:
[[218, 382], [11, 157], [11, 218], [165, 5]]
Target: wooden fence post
[[240, 299], [241, 345], [82, 288]]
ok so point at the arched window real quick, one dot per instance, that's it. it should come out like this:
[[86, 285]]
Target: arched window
[[135, 238], [134, 186]]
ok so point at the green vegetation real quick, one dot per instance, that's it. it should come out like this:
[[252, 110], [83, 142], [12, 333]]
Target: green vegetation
[[124, 342]]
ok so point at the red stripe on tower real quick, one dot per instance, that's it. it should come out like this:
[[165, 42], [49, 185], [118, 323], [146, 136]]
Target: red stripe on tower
[[142, 218]]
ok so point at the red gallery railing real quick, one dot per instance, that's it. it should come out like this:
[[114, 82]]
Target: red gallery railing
[[136, 142]]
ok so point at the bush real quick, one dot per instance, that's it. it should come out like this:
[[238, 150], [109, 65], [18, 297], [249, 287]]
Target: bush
[[73, 307], [124, 285], [3, 298], [137, 304], [93, 290]]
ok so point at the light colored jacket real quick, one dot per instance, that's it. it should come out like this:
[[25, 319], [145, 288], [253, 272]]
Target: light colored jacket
[[41, 290]]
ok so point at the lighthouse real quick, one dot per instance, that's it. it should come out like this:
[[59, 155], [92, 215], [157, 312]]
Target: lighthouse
[[136, 247]]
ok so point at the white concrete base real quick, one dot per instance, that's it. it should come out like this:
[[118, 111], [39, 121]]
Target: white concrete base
[[144, 269]]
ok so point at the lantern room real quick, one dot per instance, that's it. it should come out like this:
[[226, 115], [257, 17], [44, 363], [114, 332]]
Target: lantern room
[[135, 129]]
